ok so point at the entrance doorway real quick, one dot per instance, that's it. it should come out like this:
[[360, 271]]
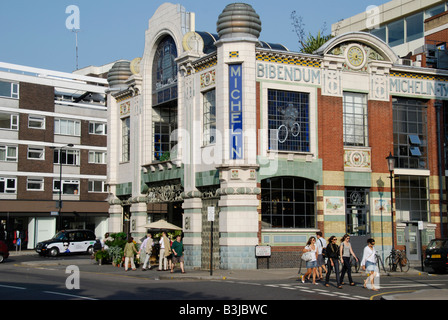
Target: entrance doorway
[[412, 240], [357, 217]]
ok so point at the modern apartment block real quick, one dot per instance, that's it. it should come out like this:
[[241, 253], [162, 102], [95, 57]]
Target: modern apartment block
[[411, 28], [53, 151]]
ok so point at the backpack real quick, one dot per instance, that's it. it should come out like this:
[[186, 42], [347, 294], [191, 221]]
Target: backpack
[[324, 250]]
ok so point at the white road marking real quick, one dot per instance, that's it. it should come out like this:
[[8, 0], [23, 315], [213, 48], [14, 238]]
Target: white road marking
[[69, 295], [12, 287]]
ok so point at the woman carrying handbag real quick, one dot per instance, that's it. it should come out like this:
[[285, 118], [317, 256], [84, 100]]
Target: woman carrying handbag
[[311, 265], [332, 254]]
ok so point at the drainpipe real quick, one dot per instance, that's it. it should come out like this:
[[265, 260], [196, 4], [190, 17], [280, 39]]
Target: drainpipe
[[438, 104]]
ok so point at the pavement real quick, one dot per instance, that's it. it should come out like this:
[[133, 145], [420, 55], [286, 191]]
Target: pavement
[[90, 265]]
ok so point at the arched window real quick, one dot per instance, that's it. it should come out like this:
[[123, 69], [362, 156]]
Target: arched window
[[288, 202], [165, 72]]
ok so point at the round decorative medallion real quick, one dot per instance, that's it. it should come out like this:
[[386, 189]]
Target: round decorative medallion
[[356, 57], [192, 41], [135, 65]]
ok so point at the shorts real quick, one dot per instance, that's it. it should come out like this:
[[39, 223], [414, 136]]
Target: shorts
[[311, 264], [370, 266], [178, 259], [320, 260]]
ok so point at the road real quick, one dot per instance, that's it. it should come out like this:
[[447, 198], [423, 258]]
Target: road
[[66, 282]]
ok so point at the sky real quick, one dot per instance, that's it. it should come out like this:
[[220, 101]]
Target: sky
[[34, 33]]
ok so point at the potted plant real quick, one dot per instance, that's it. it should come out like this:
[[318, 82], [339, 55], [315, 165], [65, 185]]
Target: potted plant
[[101, 255]]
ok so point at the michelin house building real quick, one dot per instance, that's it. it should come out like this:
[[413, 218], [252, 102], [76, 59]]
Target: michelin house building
[[271, 145]]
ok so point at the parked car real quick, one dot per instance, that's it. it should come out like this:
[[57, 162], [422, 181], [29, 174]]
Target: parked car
[[437, 255], [4, 251], [67, 242]]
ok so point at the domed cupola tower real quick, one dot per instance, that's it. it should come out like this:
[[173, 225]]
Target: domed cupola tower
[[238, 27]]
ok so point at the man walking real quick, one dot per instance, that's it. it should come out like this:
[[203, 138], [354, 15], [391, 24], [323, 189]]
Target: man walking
[[178, 254]]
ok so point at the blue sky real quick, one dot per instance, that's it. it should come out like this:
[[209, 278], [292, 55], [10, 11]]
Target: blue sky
[[34, 33]]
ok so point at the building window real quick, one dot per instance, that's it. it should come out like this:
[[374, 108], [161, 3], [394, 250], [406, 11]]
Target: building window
[[67, 127], [35, 122], [68, 186], [8, 153], [380, 33], [289, 121], [165, 72], [396, 33], [9, 121], [36, 153], [8, 185], [97, 128], [97, 186], [434, 11], [35, 184], [165, 123], [125, 139], [9, 90], [414, 27], [209, 118], [410, 133], [355, 119], [66, 157], [288, 202], [97, 157], [412, 198]]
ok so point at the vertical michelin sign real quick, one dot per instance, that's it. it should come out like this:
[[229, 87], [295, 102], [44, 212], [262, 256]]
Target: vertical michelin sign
[[236, 111]]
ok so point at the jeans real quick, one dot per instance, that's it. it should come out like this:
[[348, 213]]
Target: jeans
[[346, 267], [336, 271]]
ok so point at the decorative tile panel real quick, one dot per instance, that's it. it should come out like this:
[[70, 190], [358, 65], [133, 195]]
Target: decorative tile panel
[[357, 159]]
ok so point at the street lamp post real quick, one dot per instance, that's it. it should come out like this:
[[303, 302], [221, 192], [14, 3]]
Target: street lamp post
[[60, 179], [391, 166]]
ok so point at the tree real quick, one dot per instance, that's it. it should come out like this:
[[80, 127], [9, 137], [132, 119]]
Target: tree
[[311, 43]]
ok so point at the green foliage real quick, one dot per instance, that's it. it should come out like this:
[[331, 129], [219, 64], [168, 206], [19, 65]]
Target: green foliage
[[116, 254], [119, 240], [166, 156], [171, 234], [102, 255], [312, 43]]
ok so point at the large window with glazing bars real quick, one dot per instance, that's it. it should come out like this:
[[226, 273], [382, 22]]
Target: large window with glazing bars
[[410, 133], [355, 119], [288, 202], [288, 121], [209, 118]]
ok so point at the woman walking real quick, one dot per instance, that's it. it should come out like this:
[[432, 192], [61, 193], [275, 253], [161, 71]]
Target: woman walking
[[332, 253], [129, 252], [368, 263], [345, 252], [312, 264]]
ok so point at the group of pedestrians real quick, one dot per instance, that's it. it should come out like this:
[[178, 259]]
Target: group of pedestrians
[[171, 253], [325, 257]]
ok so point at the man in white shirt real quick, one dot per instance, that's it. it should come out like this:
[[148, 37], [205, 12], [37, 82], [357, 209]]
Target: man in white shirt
[[146, 247]]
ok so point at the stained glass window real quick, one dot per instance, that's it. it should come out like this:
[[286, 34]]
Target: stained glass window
[[165, 71], [289, 121]]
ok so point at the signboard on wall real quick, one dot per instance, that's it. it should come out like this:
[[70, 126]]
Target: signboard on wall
[[236, 111]]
